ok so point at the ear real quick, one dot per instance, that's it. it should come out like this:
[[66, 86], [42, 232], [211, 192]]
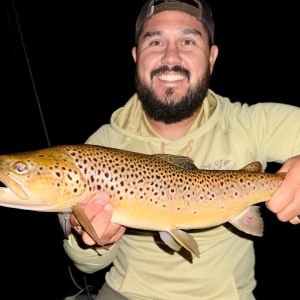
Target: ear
[[214, 50], [133, 52]]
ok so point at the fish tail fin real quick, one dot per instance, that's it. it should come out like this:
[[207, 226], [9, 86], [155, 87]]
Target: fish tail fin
[[249, 221]]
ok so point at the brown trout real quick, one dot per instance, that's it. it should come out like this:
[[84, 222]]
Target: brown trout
[[159, 192]]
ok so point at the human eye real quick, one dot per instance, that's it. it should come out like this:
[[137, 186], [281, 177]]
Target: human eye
[[188, 43], [155, 43]]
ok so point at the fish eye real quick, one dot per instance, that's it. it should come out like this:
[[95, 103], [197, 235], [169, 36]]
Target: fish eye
[[20, 167]]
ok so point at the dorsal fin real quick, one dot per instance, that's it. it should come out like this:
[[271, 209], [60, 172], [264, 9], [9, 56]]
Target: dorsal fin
[[255, 166], [180, 161]]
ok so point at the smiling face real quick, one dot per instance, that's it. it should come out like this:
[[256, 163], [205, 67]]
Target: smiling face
[[173, 66]]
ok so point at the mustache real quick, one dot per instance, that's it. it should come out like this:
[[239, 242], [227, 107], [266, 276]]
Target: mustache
[[176, 68]]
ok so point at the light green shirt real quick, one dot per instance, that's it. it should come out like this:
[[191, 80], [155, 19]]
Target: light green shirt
[[225, 135]]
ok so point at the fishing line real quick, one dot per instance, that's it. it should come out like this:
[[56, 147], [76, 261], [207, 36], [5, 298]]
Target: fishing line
[[30, 72], [88, 288]]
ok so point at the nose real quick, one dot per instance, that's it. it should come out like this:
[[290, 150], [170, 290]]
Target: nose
[[171, 55]]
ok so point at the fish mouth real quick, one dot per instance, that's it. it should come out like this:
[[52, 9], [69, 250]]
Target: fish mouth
[[10, 185], [2, 185]]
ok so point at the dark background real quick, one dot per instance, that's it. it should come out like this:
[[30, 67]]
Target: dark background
[[81, 68]]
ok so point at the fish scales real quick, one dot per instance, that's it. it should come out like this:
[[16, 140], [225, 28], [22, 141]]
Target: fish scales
[[159, 192], [144, 184]]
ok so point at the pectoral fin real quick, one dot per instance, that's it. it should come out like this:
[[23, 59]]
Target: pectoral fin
[[64, 223], [85, 223], [249, 221], [176, 238]]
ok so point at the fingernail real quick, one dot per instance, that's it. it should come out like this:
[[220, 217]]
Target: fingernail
[[108, 207], [101, 201]]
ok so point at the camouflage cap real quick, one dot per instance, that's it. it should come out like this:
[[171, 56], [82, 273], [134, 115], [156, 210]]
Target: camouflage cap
[[197, 8]]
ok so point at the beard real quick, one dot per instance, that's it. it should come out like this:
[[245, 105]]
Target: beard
[[171, 109]]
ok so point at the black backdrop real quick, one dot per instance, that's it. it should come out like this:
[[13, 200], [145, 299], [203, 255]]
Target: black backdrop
[[82, 70]]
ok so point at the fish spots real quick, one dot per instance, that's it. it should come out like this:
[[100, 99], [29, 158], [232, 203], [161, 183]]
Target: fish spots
[[248, 219], [58, 174]]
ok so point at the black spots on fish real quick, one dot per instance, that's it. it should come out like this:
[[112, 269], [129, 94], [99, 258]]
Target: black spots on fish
[[92, 178], [75, 191], [69, 176], [58, 174]]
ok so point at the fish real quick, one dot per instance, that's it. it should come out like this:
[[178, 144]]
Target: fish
[[155, 192]]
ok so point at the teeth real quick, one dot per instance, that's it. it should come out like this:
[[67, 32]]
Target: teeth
[[171, 77]]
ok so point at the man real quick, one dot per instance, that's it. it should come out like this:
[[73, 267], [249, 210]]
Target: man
[[175, 112]]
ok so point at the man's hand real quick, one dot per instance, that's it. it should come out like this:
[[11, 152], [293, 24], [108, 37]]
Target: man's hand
[[99, 212], [286, 200]]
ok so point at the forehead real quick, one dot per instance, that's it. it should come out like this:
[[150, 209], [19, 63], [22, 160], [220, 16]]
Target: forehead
[[172, 20]]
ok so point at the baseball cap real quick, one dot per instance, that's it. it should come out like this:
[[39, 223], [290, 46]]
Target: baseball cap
[[197, 8]]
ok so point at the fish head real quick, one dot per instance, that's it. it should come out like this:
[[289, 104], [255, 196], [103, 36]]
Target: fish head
[[42, 180]]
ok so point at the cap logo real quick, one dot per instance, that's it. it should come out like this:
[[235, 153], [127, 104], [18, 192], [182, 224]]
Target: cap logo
[[151, 11]]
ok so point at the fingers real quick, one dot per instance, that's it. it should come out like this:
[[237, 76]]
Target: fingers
[[92, 207], [295, 220], [99, 212], [100, 221]]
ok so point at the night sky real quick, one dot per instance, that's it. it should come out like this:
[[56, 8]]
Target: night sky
[[73, 68]]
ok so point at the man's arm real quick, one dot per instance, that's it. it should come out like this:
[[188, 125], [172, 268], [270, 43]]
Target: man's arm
[[81, 248]]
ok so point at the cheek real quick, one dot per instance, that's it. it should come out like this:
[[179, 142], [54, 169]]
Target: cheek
[[148, 63]]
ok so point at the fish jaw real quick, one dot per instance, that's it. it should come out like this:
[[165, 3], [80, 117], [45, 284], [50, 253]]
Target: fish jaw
[[41, 181]]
